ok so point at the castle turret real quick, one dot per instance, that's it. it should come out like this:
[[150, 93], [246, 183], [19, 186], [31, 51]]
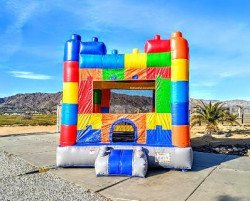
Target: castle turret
[[70, 91], [180, 90]]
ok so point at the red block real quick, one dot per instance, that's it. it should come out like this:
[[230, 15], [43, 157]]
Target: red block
[[97, 108], [157, 45], [105, 102], [68, 135], [153, 72], [85, 100], [71, 71]]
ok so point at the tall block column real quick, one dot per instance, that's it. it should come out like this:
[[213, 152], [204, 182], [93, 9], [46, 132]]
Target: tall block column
[[70, 91], [180, 90]]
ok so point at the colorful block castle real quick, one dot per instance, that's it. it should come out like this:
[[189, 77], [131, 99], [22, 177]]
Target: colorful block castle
[[87, 124]]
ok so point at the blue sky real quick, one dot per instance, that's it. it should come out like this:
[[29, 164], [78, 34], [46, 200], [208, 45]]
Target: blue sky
[[33, 33]]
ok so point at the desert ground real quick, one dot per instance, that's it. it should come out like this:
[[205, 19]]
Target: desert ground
[[230, 139], [15, 130]]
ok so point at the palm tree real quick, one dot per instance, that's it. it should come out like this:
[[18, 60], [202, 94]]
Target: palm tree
[[212, 115]]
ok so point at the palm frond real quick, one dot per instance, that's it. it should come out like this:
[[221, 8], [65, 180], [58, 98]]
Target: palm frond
[[212, 114]]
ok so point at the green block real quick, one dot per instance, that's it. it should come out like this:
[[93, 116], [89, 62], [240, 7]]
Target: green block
[[113, 74], [159, 59], [97, 96], [163, 95]]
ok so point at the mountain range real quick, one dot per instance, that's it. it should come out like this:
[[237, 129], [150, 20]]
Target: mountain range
[[120, 103]]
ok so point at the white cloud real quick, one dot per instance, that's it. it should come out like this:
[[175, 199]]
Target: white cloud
[[219, 45], [30, 75], [104, 16], [219, 66], [207, 33], [227, 74], [203, 84]]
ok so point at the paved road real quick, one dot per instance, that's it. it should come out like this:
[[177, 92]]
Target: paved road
[[213, 177]]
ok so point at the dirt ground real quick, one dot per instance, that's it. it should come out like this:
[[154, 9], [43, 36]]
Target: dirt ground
[[231, 139], [8, 130]]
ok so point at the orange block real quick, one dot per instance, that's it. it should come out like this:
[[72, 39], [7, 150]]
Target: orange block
[[135, 74], [96, 74], [179, 46], [181, 135], [141, 125], [107, 121]]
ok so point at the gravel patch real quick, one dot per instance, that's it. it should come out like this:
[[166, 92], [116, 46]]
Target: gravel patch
[[15, 184], [11, 165], [43, 186]]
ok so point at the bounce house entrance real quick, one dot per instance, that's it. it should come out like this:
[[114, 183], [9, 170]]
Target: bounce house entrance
[[123, 130]]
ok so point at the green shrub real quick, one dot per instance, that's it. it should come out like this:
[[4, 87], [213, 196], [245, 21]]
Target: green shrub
[[31, 120]]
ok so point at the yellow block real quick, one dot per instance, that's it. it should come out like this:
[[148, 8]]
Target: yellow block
[[164, 120], [70, 92], [135, 60], [179, 70], [158, 119], [150, 121], [123, 128], [94, 120]]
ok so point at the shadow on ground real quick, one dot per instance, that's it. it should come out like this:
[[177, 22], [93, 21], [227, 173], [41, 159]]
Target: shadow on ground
[[201, 161], [230, 198], [221, 145]]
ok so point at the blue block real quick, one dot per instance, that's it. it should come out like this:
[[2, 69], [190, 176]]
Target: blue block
[[111, 61], [90, 61], [88, 135], [135, 77], [180, 113], [93, 47], [72, 48], [76, 37], [114, 61], [179, 92], [69, 114], [120, 162], [159, 137], [104, 109]]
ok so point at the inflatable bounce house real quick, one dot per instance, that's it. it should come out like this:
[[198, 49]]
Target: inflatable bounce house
[[125, 144]]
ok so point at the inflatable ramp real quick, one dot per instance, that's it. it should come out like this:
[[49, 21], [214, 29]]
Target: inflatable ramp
[[122, 162]]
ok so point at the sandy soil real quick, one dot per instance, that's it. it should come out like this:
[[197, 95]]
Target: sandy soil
[[7, 130], [225, 131], [231, 139], [237, 132]]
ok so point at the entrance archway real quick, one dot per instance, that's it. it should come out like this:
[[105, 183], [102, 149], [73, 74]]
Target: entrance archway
[[123, 130]]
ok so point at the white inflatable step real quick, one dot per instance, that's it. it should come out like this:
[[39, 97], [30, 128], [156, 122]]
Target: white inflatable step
[[121, 162]]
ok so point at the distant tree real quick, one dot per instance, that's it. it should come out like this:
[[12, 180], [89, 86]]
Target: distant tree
[[212, 115]]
